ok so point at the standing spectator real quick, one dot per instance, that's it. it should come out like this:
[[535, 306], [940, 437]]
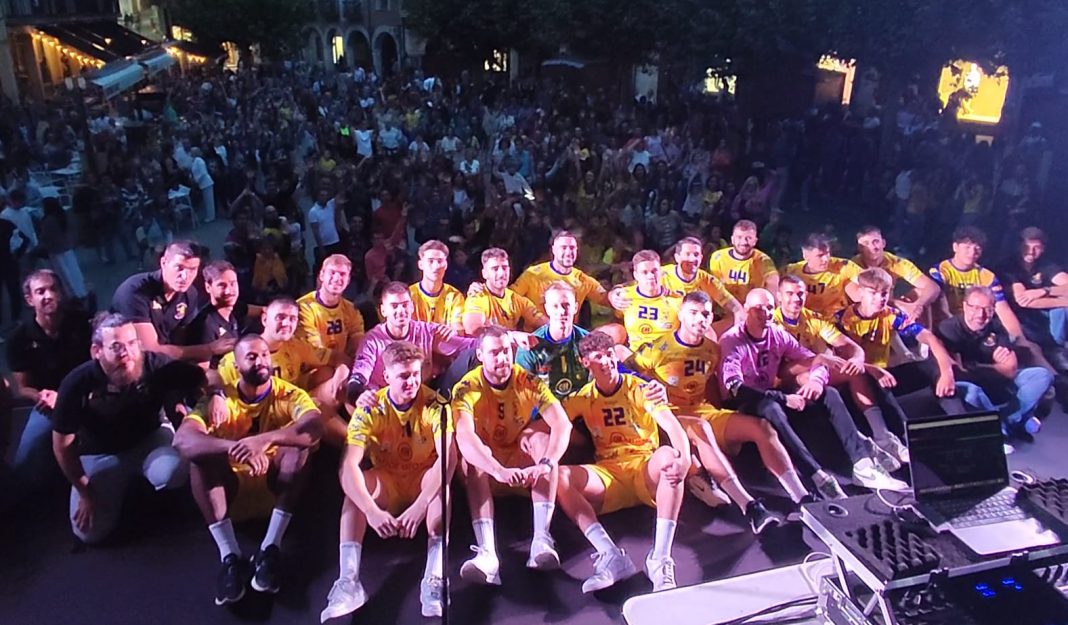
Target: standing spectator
[[202, 178], [56, 241], [323, 221]]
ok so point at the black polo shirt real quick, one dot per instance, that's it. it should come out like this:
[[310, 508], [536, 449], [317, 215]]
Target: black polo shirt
[[46, 360], [140, 299], [108, 421], [1035, 321], [210, 325], [973, 347]]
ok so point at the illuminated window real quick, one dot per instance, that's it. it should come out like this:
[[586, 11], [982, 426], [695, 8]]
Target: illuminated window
[[498, 62], [714, 83], [848, 68], [180, 34], [975, 96], [337, 47]]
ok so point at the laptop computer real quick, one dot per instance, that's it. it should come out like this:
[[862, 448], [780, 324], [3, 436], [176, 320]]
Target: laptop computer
[[960, 478]]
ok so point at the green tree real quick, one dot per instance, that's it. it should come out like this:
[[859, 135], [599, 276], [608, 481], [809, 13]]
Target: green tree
[[273, 24]]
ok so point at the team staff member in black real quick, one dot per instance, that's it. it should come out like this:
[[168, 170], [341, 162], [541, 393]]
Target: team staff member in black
[[108, 426], [162, 305], [41, 351], [225, 316]]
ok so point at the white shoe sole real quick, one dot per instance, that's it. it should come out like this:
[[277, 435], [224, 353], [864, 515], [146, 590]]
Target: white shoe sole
[[626, 573], [256, 587], [544, 561], [340, 611], [221, 602], [471, 573]]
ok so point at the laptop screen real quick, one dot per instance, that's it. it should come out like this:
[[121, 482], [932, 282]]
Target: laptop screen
[[957, 455]]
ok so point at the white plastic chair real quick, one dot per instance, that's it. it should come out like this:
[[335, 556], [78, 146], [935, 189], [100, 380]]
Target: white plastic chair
[[181, 200]]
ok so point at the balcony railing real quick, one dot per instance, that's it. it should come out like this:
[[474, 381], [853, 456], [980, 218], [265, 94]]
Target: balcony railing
[[352, 10], [28, 10]]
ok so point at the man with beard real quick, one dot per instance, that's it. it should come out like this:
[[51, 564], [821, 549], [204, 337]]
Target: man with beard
[[41, 352], [742, 267], [533, 282], [316, 370], [162, 305], [496, 304], [327, 319], [434, 300], [107, 424], [271, 425], [686, 276], [224, 315]]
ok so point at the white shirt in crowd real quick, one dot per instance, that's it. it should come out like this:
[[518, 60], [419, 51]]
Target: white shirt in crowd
[[23, 221], [324, 216], [199, 171], [470, 167], [390, 138], [365, 142]]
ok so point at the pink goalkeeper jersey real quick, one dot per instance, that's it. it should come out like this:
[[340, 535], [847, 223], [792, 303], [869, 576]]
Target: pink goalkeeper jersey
[[756, 363], [368, 361]]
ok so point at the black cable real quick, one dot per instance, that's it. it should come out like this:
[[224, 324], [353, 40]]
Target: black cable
[[779, 607]]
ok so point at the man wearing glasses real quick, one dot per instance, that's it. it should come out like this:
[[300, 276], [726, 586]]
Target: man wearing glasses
[[108, 424], [987, 359]]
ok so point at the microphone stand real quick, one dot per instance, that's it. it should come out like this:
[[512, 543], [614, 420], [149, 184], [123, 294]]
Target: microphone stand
[[444, 516]]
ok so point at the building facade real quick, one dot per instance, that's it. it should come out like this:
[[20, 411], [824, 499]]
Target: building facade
[[364, 33]]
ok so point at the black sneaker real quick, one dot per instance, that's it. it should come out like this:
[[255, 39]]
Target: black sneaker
[[266, 565], [232, 580], [760, 519]]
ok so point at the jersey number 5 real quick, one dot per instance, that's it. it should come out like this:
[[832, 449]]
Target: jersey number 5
[[613, 416]]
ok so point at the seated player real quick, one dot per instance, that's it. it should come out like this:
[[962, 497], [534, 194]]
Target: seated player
[[435, 301], [1038, 290], [327, 319], [686, 276], [986, 358], [555, 358], [815, 333], [685, 361], [271, 427], [496, 304], [651, 308], [224, 315], [493, 406], [742, 267], [631, 468], [871, 322], [828, 279], [871, 252], [317, 370], [534, 281], [954, 275], [402, 435], [753, 354]]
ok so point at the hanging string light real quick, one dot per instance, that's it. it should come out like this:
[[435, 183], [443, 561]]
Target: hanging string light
[[53, 42]]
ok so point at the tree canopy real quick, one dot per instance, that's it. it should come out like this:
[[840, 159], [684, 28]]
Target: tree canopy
[[275, 25]]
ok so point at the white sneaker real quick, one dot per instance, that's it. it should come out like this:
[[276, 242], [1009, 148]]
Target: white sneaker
[[484, 568], [706, 492], [661, 573], [870, 475], [608, 568], [432, 595], [543, 556], [886, 460], [828, 487], [893, 446], [346, 596]]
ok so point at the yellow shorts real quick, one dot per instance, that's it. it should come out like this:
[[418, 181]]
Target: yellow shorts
[[253, 500], [511, 457], [624, 483], [400, 489], [718, 418]]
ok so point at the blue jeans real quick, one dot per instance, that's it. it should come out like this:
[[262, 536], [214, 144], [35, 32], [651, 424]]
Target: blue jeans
[[1058, 325], [1030, 385], [34, 461]]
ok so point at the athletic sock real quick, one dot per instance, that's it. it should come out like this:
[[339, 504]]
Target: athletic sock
[[349, 556], [874, 416], [600, 539], [276, 528], [791, 482], [663, 537], [223, 533], [735, 491], [434, 549], [543, 516], [484, 535]]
